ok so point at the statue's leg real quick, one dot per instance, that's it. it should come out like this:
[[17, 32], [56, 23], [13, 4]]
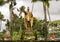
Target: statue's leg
[[31, 22], [25, 25], [25, 22]]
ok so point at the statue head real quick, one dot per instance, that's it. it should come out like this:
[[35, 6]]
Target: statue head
[[28, 9]]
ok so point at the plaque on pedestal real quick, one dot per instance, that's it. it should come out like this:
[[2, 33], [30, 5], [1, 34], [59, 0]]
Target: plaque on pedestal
[[28, 35]]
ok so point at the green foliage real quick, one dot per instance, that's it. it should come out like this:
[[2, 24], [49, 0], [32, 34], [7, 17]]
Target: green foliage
[[22, 9], [16, 36], [16, 24], [36, 24], [1, 2], [1, 16], [43, 31], [1, 34], [34, 0], [39, 27], [17, 27], [46, 2], [7, 24], [55, 23]]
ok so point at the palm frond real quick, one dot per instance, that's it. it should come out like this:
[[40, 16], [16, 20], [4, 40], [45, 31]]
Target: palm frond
[[22, 8], [1, 2], [45, 1], [34, 0]]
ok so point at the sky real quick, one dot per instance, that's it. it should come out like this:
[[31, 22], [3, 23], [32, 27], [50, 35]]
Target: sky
[[38, 11]]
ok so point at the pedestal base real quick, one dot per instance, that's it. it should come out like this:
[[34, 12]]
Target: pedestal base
[[28, 35]]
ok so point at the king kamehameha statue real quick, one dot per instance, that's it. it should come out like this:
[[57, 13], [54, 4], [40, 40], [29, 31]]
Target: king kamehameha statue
[[28, 23], [28, 19]]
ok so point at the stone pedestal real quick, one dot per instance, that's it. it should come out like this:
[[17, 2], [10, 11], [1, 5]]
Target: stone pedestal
[[28, 35]]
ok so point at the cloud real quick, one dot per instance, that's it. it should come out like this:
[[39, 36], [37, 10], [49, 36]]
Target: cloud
[[54, 7]]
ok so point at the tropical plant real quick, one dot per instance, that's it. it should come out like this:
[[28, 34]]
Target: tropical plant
[[21, 26], [16, 36], [22, 9], [45, 3]]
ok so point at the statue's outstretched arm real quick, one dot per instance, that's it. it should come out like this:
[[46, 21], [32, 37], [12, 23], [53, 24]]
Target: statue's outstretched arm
[[25, 12]]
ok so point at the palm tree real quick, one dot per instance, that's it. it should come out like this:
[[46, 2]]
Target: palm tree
[[1, 19], [22, 9], [45, 3]]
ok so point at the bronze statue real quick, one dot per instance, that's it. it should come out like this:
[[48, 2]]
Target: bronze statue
[[28, 19], [28, 23]]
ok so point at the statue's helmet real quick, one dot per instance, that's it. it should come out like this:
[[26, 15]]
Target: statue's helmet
[[27, 8]]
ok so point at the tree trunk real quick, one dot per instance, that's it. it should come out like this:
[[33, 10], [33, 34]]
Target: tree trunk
[[45, 20], [48, 14], [11, 18]]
